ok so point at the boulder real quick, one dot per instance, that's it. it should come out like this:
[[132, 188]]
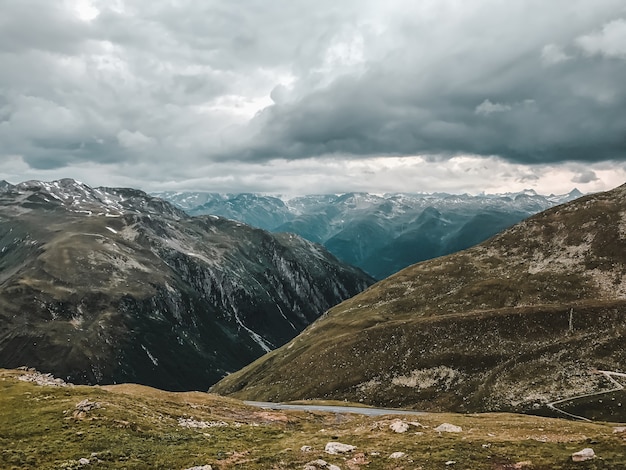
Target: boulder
[[399, 426], [447, 427], [320, 464], [583, 455], [338, 448]]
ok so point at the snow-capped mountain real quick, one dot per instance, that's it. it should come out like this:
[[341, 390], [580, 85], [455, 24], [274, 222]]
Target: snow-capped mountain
[[378, 233], [101, 285]]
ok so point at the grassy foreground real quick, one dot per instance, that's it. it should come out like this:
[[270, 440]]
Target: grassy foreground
[[137, 427]]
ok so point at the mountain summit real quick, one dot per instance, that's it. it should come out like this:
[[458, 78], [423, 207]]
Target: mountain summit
[[101, 285], [515, 323]]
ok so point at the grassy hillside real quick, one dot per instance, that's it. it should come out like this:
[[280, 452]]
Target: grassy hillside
[[512, 324], [137, 427]]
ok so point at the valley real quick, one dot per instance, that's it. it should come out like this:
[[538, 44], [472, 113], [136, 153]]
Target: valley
[[380, 234], [505, 355], [512, 324], [312, 235]]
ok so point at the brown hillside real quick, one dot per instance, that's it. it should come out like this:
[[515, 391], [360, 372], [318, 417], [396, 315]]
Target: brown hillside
[[512, 324]]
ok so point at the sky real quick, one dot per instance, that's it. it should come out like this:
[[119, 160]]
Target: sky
[[301, 97]]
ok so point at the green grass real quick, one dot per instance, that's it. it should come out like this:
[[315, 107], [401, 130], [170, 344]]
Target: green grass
[[137, 427]]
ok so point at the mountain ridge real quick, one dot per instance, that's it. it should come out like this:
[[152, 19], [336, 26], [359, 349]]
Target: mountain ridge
[[380, 234], [111, 284]]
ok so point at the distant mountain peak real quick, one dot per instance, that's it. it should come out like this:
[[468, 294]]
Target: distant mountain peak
[[4, 184], [378, 233], [575, 193], [73, 196]]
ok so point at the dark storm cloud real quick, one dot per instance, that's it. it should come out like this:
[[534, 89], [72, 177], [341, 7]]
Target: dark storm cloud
[[488, 95], [169, 75], [156, 83], [40, 25]]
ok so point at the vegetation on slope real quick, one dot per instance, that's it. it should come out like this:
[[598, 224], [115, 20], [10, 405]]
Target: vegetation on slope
[[136, 427]]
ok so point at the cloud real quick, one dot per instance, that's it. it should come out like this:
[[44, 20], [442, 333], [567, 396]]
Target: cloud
[[427, 94], [609, 42], [585, 176], [487, 107], [212, 84], [551, 54]]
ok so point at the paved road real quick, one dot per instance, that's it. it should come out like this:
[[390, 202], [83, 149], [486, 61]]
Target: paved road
[[609, 375], [333, 409]]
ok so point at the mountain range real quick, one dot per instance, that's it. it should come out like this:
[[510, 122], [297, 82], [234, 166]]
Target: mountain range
[[105, 285], [380, 234], [533, 317]]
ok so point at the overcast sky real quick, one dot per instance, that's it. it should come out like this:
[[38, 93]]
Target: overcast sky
[[296, 96]]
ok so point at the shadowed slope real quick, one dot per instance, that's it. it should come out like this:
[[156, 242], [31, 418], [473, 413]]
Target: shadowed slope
[[108, 285]]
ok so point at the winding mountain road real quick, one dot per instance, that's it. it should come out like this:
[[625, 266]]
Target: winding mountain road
[[334, 409], [609, 375]]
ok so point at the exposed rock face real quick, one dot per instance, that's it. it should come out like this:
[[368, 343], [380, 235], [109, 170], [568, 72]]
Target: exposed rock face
[[111, 285], [512, 324]]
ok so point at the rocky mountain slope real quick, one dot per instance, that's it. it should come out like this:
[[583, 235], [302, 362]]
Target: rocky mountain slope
[[381, 234], [515, 323], [102, 285]]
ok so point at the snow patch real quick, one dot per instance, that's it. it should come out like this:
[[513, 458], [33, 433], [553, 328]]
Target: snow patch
[[255, 336], [152, 358]]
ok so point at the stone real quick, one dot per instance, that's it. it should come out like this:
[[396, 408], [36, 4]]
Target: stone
[[522, 465], [84, 461], [192, 423], [397, 455], [87, 405], [583, 455], [399, 426], [305, 449], [200, 467], [416, 424], [320, 464], [357, 461], [450, 462], [338, 448], [42, 379], [447, 427], [619, 429], [84, 407]]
